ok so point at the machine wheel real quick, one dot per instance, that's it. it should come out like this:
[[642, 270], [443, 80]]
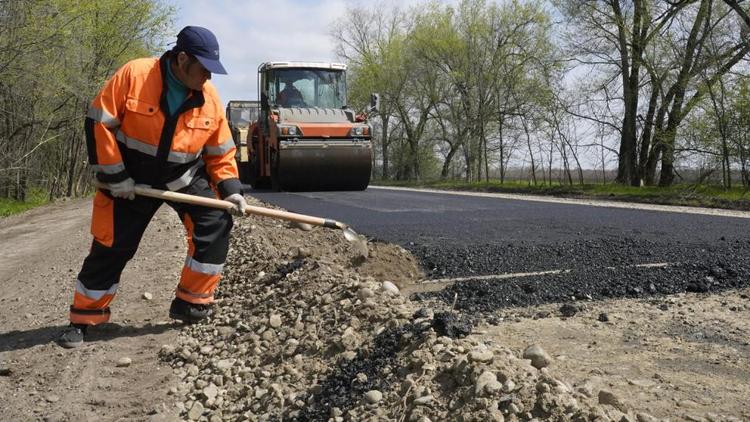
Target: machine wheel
[[275, 182], [262, 183], [245, 175], [251, 169], [258, 182], [253, 166]]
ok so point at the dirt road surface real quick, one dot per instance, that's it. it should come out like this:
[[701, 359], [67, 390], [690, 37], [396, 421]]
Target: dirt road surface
[[40, 254]]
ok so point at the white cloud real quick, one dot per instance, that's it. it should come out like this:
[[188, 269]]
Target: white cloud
[[251, 32]]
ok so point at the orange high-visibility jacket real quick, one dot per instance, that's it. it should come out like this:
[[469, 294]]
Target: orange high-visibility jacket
[[130, 134]]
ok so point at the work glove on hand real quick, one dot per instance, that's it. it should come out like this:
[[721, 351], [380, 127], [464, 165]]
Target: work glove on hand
[[124, 189], [240, 204]]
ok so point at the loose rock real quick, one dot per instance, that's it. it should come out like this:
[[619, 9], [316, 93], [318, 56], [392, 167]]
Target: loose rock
[[609, 398], [373, 396], [275, 321], [124, 362], [390, 287], [539, 358], [487, 384], [481, 355], [424, 400], [195, 411], [210, 392]]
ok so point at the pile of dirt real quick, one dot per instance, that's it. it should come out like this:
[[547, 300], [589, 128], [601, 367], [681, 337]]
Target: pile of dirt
[[307, 330]]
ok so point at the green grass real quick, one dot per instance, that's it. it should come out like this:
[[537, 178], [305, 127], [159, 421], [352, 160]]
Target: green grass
[[10, 206], [686, 194]]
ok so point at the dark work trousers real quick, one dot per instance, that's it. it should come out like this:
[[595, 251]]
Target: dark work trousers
[[118, 225]]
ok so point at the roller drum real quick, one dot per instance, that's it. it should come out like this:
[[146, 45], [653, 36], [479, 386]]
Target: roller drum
[[323, 165]]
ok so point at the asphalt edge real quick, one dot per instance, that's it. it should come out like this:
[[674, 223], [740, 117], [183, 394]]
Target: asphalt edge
[[590, 202]]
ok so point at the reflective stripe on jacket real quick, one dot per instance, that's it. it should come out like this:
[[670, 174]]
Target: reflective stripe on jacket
[[129, 133]]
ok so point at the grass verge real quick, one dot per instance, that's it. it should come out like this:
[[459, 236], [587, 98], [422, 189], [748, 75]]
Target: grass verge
[[9, 207], [687, 194]]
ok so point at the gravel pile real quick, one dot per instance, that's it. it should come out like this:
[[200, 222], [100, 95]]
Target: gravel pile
[[306, 330]]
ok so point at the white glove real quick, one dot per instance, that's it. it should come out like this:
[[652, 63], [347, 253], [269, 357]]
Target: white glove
[[124, 189], [240, 204]]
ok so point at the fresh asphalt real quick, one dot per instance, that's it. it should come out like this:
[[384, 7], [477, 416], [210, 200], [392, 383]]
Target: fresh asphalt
[[593, 251]]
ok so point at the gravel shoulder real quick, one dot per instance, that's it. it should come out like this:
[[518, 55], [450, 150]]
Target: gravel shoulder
[[40, 254], [684, 356], [305, 329]]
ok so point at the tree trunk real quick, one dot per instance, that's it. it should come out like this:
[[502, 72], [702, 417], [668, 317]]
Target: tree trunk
[[646, 144], [666, 178], [630, 69], [531, 150], [384, 144], [448, 161], [467, 161], [500, 122]]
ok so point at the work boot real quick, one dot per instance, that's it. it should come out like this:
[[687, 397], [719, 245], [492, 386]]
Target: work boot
[[188, 312], [73, 336]]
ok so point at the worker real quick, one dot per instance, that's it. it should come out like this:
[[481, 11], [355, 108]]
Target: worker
[[158, 122], [290, 95]]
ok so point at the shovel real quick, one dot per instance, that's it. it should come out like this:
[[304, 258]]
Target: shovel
[[358, 241]]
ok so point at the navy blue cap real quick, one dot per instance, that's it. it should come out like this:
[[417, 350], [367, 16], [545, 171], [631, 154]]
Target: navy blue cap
[[201, 43]]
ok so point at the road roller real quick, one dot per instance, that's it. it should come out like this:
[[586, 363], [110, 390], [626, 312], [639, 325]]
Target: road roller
[[306, 137], [240, 115]]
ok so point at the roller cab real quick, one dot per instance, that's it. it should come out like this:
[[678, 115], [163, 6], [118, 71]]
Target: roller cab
[[306, 137]]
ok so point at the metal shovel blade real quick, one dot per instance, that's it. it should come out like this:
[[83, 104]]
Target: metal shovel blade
[[359, 242]]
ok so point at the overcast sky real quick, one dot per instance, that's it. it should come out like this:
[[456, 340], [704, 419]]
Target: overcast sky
[[251, 32]]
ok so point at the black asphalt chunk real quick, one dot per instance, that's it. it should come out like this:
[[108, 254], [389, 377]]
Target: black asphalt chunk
[[290, 267], [568, 310], [341, 388], [451, 324]]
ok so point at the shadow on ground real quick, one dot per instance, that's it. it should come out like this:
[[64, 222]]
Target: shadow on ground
[[25, 339]]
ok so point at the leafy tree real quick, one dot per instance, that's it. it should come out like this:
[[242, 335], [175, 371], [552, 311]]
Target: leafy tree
[[54, 56], [739, 128], [373, 43]]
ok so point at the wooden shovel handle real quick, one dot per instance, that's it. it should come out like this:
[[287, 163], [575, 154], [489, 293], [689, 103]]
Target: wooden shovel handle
[[226, 205]]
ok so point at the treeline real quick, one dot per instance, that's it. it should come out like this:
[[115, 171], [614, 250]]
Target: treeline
[[54, 56], [469, 91]]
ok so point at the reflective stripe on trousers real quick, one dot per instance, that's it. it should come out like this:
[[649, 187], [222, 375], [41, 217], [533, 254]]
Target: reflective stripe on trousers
[[198, 280], [91, 307]]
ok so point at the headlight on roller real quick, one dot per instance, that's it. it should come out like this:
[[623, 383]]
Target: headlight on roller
[[289, 131], [360, 131]]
